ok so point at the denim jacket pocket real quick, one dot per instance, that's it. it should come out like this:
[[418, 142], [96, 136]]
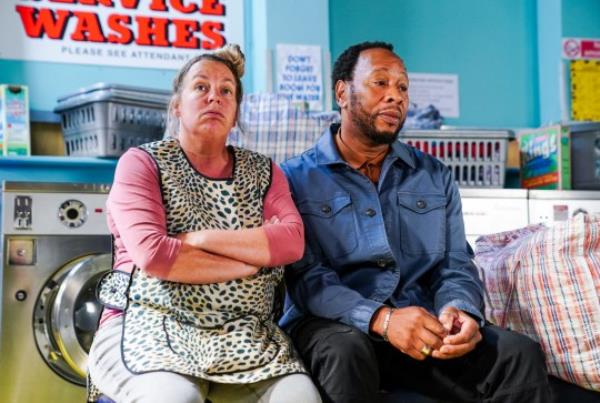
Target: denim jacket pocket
[[331, 220], [422, 222]]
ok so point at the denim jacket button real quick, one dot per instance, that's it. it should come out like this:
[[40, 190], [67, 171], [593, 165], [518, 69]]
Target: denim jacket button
[[370, 212], [421, 204], [381, 263], [325, 209]]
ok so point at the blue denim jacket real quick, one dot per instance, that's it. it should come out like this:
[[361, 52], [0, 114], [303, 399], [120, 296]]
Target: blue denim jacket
[[399, 242]]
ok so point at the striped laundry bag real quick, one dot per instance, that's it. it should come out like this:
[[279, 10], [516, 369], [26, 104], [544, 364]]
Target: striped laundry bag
[[273, 125], [545, 283]]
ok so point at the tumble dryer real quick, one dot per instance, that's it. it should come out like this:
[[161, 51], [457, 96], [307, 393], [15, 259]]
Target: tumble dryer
[[55, 247]]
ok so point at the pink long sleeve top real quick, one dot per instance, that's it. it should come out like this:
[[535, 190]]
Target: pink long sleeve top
[[137, 218]]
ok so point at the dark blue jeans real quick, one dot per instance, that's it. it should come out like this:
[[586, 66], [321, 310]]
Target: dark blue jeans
[[349, 366]]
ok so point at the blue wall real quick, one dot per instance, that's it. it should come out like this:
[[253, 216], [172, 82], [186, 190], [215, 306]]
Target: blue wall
[[489, 44], [305, 22], [48, 81], [581, 18], [284, 21]]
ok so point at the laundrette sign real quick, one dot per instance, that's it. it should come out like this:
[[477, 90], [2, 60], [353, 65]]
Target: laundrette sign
[[136, 33]]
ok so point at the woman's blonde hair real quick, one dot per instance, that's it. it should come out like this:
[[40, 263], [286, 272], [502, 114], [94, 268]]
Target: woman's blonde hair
[[231, 56]]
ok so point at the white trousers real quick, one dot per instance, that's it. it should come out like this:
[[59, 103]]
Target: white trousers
[[108, 372]]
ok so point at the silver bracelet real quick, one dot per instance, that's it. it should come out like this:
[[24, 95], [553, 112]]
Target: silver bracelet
[[386, 324]]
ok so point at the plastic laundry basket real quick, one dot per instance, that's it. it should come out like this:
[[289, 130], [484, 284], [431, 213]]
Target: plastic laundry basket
[[104, 120], [477, 158]]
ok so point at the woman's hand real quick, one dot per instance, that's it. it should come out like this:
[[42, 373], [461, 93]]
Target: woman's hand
[[196, 238], [251, 270], [191, 238]]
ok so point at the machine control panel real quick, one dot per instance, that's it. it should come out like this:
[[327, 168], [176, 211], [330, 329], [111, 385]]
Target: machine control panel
[[53, 213]]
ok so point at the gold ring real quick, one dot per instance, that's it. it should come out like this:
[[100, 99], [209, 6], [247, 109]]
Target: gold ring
[[426, 350]]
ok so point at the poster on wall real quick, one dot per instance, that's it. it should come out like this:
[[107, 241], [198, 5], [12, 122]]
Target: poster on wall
[[299, 74], [133, 33], [585, 90], [439, 90], [582, 77]]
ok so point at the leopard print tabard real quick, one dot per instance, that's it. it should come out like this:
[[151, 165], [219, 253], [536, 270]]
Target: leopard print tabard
[[221, 332]]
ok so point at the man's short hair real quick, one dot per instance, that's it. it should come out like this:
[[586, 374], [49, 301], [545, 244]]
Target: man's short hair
[[343, 69]]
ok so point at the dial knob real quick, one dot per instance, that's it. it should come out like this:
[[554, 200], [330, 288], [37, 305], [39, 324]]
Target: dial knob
[[72, 213]]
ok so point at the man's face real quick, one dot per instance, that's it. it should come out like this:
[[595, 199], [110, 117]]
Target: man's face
[[379, 95]]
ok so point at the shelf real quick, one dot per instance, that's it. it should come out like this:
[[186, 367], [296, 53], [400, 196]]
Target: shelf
[[57, 169], [37, 116], [38, 160]]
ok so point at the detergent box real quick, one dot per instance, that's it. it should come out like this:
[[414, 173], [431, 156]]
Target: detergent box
[[545, 155], [14, 120]]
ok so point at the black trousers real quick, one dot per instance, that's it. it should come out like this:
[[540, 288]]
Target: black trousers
[[348, 366]]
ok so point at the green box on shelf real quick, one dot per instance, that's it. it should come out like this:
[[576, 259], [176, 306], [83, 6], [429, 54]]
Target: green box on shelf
[[545, 158], [14, 121]]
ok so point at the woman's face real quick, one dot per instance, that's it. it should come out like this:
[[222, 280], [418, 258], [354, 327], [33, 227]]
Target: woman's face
[[207, 104]]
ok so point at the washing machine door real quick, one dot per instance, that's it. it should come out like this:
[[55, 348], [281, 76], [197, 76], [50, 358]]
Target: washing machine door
[[66, 315]]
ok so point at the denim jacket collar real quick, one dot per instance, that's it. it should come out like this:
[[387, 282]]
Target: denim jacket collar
[[328, 154]]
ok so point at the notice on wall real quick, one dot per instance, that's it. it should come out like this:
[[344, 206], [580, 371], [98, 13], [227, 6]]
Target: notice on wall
[[585, 89], [159, 34], [439, 90], [299, 74], [581, 48]]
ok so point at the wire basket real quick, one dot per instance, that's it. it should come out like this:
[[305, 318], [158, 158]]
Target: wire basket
[[477, 158], [104, 120]]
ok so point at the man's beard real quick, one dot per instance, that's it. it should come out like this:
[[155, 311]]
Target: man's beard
[[366, 123]]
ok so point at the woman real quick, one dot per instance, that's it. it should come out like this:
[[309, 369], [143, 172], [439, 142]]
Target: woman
[[200, 233]]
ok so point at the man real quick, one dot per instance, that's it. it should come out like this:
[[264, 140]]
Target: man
[[386, 294]]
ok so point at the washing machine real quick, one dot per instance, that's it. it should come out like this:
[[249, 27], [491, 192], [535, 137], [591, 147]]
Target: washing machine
[[55, 247], [488, 211], [553, 206]]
